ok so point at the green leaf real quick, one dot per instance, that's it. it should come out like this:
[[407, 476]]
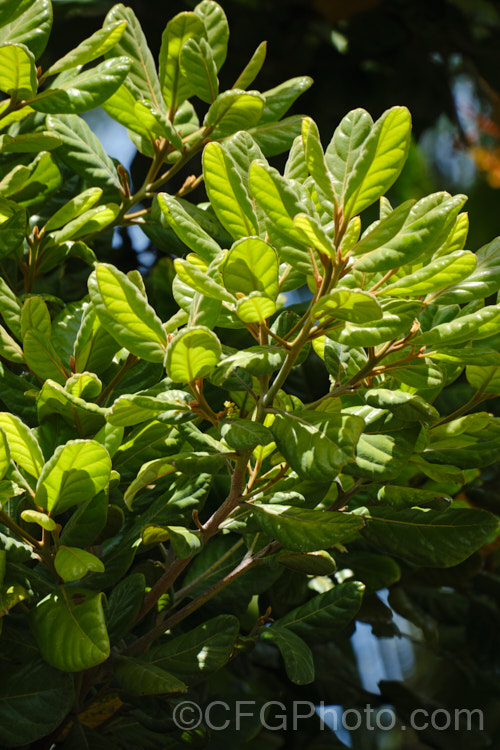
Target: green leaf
[[374, 570], [157, 123], [199, 652], [305, 530], [139, 677], [216, 27], [404, 497], [255, 308], [175, 86], [345, 147], [86, 522], [232, 111], [10, 308], [486, 379], [83, 153], [31, 26], [34, 700], [277, 198], [198, 67], [317, 618], [35, 316], [4, 457], [42, 358], [474, 326], [86, 90], [90, 49], [227, 194], [380, 161], [352, 305], [440, 273], [275, 137], [124, 605], [145, 405], [44, 180], [396, 321], [187, 229], [185, 543], [17, 71], [24, 447], [317, 445], [406, 406], [382, 457], [279, 99], [73, 208], [318, 563], [297, 655], [243, 434], [251, 265], [428, 537], [70, 629], [126, 314], [392, 243], [13, 224], [481, 282], [252, 68], [94, 220], [316, 162], [72, 563], [198, 278], [313, 235], [25, 143], [256, 360], [76, 472], [149, 473], [133, 44], [192, 353]]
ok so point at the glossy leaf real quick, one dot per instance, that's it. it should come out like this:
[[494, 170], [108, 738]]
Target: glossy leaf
[[187, 229], [140, 677], [474, 326], [17, 71], [428, 537], [30, 25], [243, 434], [251, 266], [305, 530], [216, 27], [95, 46], [87, 90], [72, 563], [252, 68], [175, 86], [192, 353], [279, 99], [70, 629], [441, 273], [481, 282], [76, 472], [23, 445], [198, 66], [232, 111], [126, 314], [348, 304], [255, 308], [13, 221]]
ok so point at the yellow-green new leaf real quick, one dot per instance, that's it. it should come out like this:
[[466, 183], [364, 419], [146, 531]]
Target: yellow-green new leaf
[[24, 447], [251, 266], [348, 304], [255, 308], [126, 314], [175, 86], [17, 71], [76, 472], [4, 456], [440, 273], [192, 353], [74, 208], [73, 563], [380, 161], [227, 193], [234, 110]]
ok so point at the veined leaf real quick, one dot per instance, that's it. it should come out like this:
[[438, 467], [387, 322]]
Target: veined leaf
[[397, 318], [380, 161], [481, 282], [440, 273], [234, 110], [305, 530], [72, 563], [317, 618], [316, 163], [277, 198], [73, 208], [199, 652], [243, 434], [87, 90], [217, 29], [428, 537], [157, 123], [140, 677], [70, 629], [345, 147], [42, 358], [255, 308], [24, 447], [275, 137], [133, 45], [35, 316], [187, 229], [13, 223], [175, 86], [30, 25], [126, 314], [76, 472], [198, 66], [474, 326], [95, 46], [17, 71], [382, 457], [192, 354], [348, 304], [251, 266], [227, 194], [83, 153], [317, 445], [279, 99], [149, 473]]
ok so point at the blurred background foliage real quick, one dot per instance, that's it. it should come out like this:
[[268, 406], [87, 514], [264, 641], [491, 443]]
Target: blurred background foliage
[[440, 58]]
